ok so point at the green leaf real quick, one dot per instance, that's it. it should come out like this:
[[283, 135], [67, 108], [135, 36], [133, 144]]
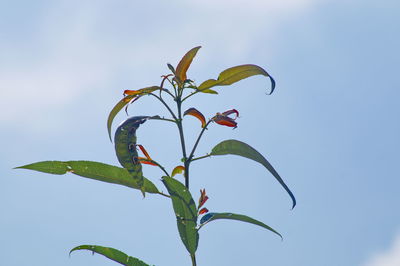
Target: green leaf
[[185, 62], [171, 68], [122, 103], [242, 149], [118, 107], [238, 217], [185, 211], [209, 91], [93, 170], [235, 74], [111, 253]]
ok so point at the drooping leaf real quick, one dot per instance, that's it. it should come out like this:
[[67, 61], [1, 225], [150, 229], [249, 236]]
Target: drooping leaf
[[142, 91], [232, 216], [236, 147], [184, 64], [113, 254], [185, 211], [122, 103], [178, 170], [209, 91], [93, 170], [118, 107], [235, 74], [196, 113]]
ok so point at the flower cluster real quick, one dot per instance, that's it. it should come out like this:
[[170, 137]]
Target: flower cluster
[[223, 119], [203, 198]]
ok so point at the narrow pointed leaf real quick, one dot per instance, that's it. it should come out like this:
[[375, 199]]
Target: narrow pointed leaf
[[185, 211], [113, 254], [142, 91], [185, 62], [171, 68], [236, 147], [235, 74], [238, 217], [209, 91], [118, 107], [93, 170], [122, 103]]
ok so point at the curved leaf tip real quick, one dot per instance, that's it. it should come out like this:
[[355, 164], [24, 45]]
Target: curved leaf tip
[[129, 97], [233, 216], [273, 83], [239, 148], [111, 253], [235, 74], [118, 107]]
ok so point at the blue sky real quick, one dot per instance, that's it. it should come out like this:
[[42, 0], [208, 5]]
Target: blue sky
[[331, 129]]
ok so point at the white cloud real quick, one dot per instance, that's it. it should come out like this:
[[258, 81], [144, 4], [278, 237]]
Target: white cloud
[[68, 56], [255, 6], [389, 257]]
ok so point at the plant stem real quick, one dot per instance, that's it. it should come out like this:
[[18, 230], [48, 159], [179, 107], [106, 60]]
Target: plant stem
[[163, 119], [193, 257], [182, 138], [191, 94], [156, 163], [165, 195], [165, 104], [201, 157], [198, 140]]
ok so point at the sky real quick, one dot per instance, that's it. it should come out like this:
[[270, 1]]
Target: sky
[[329, 129]]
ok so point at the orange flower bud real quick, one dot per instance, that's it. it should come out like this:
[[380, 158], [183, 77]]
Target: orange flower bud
[[203, 198], [203, 211], [142, 160]]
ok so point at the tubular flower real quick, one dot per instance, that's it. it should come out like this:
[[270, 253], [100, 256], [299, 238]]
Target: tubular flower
[[232, 111], [225, 120], [142, 160], [203, 198], [194, 112], [203, 211]]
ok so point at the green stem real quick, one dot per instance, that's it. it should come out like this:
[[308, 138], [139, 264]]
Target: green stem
[[198, 140], [201, 157], [168, 92], [165, 104], [163, 119], [193, 93], [182, 138], [165, 195], [193, 257], [159, 165]]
